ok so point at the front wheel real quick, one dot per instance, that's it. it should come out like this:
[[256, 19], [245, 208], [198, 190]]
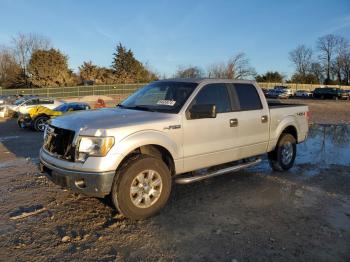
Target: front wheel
[[142, 187], [40, 123], [282, 158]]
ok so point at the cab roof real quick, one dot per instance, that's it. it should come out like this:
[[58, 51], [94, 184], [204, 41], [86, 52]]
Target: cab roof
[[208, 80]]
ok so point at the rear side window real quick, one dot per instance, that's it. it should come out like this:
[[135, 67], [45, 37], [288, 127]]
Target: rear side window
[[247, 96], [215, 94]]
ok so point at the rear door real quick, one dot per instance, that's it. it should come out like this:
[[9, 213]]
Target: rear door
[[252, 120]]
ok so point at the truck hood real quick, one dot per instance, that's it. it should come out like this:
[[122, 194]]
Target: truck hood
[[108, 118]]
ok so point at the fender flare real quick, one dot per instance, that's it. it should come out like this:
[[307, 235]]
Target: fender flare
[[289, 121], [146, 137]]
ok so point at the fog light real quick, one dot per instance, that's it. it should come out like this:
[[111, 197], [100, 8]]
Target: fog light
[[80, 184]]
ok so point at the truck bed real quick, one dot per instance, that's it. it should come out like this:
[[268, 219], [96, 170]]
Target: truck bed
[[295, 114], [273, 105]]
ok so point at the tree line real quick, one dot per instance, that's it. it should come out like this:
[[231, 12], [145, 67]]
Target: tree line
[[328, 63], [32, 61]]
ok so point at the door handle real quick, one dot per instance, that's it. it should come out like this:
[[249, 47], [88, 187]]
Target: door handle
[[233, 122], [264, 119]]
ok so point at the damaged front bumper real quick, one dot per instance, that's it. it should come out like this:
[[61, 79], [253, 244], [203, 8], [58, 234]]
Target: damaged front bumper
[[95, 184]]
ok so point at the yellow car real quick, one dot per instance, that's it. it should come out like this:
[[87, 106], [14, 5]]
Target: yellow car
[[38, 116]]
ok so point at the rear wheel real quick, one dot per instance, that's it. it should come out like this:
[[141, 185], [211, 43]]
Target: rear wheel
[[282, 158], [142, 187], [40, 123]]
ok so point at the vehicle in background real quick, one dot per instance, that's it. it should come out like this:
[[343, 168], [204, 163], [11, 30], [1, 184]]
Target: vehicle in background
[[2, 100], [169, 131], [278, 94], [303, 93], [9, 99], [37, 117], [24, 104], [285, 89], [344, 94], [100, 103], [327, 93], [265, 91]]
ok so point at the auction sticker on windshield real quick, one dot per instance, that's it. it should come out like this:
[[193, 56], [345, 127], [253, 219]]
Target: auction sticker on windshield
[[166, 102]]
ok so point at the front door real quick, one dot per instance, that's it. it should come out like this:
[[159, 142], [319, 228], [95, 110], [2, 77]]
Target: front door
[[210, 141]]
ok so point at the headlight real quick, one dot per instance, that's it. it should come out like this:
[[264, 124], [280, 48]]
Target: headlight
[[93, 146]]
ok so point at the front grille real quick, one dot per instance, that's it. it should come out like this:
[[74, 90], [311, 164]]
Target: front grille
[[59, 142]]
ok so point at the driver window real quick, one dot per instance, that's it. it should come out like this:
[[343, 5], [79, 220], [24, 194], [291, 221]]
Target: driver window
[[215, 94]]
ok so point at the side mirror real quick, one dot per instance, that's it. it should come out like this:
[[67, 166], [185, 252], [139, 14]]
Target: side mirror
[[202, 111]]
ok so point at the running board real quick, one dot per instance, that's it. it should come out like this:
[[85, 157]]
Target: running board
[[187, 180]]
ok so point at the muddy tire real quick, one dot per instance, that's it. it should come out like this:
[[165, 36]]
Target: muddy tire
[[141, 187], [39, 123], [282, 158]]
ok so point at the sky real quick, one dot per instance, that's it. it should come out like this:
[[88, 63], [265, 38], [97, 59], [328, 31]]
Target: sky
[[167, 34]]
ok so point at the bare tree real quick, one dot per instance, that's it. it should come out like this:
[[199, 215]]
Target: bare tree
[[317, 71], [346, 68], [327, 46], [9, 69], [342, 49], [189, 72], [301, 58], [217, 70], [237, 67], [23, 47]]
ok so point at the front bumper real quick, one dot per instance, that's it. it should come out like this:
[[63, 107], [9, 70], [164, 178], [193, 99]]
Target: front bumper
[[95, 184]]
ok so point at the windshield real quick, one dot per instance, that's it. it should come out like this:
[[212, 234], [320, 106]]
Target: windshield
[[167, 97], [20, 101]]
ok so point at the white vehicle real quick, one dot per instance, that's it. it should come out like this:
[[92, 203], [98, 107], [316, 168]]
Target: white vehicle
[[287, 91], [168, 131], [303, 93], [23, 105]]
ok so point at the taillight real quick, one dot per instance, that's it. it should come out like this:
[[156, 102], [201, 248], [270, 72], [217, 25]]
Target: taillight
[[308, 116]]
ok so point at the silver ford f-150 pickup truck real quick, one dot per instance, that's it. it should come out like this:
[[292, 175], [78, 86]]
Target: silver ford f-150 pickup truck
[[169, 130]]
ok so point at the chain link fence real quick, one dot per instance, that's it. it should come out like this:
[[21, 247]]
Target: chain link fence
[[122, 90], [308, 87]]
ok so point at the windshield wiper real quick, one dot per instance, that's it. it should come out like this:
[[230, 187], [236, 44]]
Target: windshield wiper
[[143, 108]]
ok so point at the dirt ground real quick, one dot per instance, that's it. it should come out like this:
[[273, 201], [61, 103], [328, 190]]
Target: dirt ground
[[252, 215]]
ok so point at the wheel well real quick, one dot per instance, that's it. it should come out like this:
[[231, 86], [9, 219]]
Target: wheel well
[[41, 115], [291, 130], [155, 151]]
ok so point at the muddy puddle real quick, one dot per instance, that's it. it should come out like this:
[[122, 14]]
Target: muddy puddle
[[326, 145]]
